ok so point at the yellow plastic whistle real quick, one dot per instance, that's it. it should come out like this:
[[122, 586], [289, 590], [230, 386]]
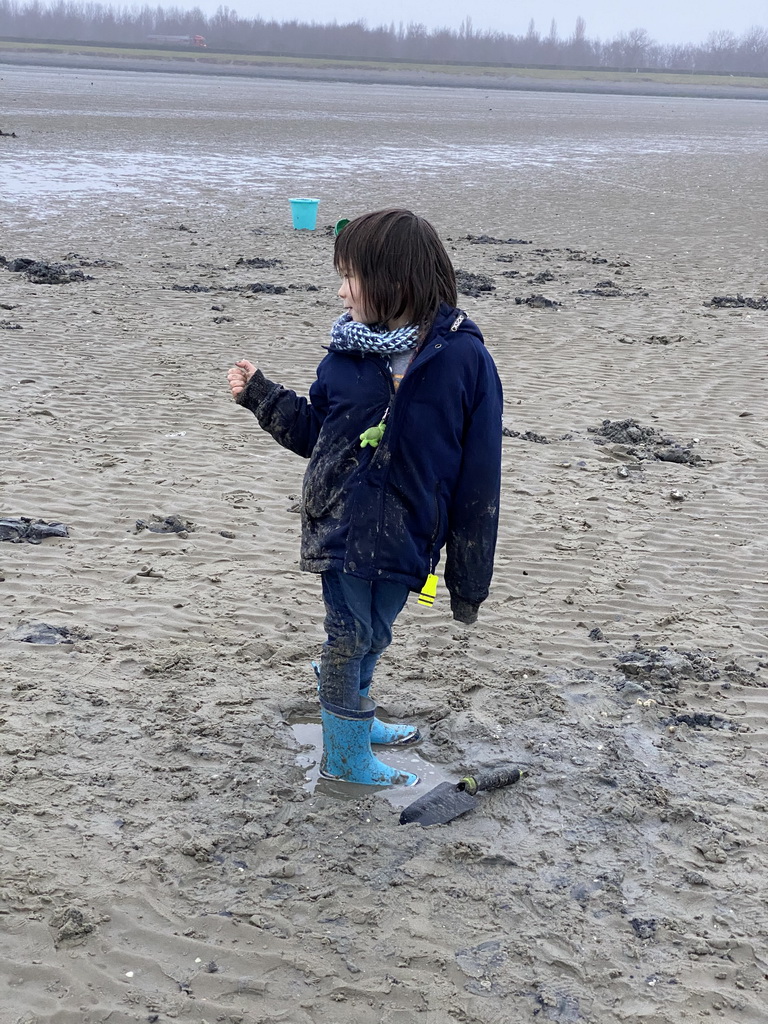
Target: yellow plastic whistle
[[428, 591]]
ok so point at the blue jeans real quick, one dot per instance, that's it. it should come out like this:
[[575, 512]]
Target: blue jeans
[[358, 621]]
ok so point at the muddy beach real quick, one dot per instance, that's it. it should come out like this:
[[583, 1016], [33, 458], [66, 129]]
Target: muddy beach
[[167, 852]]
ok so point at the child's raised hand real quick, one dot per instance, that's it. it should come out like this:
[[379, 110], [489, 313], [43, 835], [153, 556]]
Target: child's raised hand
[[239, 375]]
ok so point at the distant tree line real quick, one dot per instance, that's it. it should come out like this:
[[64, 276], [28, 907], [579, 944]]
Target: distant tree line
[[65, 20]]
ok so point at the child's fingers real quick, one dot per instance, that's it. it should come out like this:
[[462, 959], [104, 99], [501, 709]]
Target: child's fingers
[[247, 368], [239, 375]]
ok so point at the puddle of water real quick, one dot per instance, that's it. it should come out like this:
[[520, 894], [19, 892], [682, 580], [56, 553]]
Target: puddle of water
[[308, 734]]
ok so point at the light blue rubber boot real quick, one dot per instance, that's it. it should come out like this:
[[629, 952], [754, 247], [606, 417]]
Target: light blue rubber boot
[[388, 735], [383, 733], [347, 754]]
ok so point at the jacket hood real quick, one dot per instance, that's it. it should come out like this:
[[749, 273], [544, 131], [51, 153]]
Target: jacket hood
[[451, 320]]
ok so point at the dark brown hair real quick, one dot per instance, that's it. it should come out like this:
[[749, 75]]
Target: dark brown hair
[[402, 266]]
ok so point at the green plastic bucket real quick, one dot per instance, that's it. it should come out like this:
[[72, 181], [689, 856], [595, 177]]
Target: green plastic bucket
[[304, 213], [340, 225]]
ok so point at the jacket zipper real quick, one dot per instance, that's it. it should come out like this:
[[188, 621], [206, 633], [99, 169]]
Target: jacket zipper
[[436, 531], [392, 396], [387, 411], [372, 464]]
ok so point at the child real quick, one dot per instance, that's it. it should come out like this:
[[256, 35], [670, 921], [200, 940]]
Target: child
[[402, 430]]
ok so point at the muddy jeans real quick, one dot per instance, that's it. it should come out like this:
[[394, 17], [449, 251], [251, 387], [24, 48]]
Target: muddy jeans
[[358, 621]]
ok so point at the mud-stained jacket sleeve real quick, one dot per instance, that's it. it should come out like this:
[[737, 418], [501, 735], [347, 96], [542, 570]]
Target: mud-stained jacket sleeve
[[474, 510], [293, 421]]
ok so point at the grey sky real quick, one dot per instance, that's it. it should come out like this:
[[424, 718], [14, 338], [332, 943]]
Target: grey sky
[[666, 21]]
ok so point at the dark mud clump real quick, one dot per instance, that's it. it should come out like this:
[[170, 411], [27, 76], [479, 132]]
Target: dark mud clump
[[82, 261], [699, 719], [258, 263], [40, 272], [654, 339], [55, 273], [44, 633], [70, 925], [267, 289], [167, 524], [528, 435], [473, 284], [490, 240], [543, 278], [665, 669], [644, 442], [607, 289], [538, 302], [10, 325], [256, 288], [612, 290], [580, 256], [624, 432], [559, 1007], [737, 302], [33, 531], [644, 928]]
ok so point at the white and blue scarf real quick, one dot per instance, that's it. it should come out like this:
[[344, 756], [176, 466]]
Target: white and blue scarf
[[349, 335]]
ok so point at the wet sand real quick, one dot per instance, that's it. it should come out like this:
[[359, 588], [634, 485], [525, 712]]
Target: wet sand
[[163, 856]]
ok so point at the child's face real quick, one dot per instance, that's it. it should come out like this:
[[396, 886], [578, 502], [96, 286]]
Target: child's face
[[351, 294]]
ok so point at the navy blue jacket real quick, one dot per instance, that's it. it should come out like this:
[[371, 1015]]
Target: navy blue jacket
[[433, 481]]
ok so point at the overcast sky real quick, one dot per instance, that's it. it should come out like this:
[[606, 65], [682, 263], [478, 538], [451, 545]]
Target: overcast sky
[[666, 21]]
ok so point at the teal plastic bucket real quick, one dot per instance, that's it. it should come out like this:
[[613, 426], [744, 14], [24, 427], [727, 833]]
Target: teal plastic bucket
[[304, 213]]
